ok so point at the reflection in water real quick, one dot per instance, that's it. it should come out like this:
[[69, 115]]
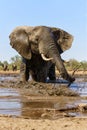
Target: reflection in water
[[9, 101], [6, 78], [81, 88], [13, 102]]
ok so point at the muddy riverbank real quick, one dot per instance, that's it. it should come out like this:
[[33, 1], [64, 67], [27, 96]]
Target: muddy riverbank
[[9, 123], [49, 106]]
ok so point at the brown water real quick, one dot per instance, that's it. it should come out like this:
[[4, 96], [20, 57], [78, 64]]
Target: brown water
[[17, 102]]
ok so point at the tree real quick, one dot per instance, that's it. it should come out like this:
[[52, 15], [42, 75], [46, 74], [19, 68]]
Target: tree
[[73, 64], [5, 62], [84, 65], [16, 60]]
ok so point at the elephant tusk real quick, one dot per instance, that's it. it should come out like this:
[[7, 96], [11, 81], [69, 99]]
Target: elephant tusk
[[45, 58]]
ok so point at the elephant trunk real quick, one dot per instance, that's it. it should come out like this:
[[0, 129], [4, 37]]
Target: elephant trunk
[[52, 52], [48, 47]]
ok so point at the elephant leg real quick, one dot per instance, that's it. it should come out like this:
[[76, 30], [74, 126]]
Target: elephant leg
[[39, 75], [24, 70], [51, 73]]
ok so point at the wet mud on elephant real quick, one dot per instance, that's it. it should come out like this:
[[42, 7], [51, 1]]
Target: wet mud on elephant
[[41, 48]]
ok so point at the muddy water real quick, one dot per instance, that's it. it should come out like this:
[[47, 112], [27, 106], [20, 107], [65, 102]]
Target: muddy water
[[9, 101], [80, 86], [17, 102]]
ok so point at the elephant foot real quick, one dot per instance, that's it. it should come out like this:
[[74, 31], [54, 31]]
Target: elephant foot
[[24, 77], [71, 79], [68, 77]]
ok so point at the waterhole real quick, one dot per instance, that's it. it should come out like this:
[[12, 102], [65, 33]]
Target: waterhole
[[16, 102]]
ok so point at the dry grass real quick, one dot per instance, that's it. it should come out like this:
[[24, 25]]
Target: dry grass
[[80, 72]]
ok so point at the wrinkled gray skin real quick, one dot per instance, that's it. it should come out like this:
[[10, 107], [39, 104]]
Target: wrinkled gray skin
[[31, 42]]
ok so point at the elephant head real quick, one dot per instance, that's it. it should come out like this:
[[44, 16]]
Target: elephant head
[[24, 40], [45, 41]]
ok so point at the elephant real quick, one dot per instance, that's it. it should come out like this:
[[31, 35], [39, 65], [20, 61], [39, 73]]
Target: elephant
[[41, 48], [5, 67], [14, 67]]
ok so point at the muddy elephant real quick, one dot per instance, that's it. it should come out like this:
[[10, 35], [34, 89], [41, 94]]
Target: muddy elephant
[[14, 67], [41, 48], [5, 67]]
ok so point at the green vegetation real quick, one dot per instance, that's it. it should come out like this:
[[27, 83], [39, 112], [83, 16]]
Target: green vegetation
[[14, 60], [71, 65], [74, 64]]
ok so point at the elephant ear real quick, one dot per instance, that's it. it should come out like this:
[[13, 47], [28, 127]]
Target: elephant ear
[[20, 42], [63, 38]]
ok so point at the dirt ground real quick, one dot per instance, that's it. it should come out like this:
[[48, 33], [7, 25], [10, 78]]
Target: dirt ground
[[69, 123], [61, 123]]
